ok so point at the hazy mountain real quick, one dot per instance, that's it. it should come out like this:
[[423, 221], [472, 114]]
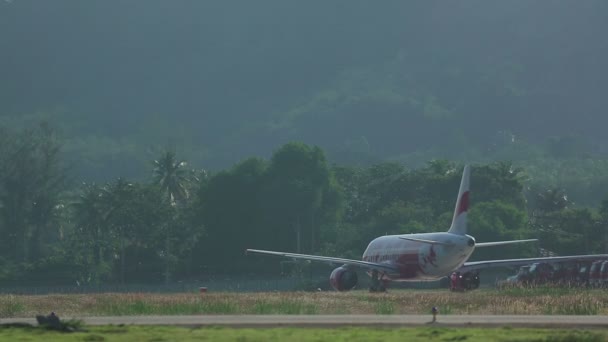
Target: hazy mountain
[[222, 80]]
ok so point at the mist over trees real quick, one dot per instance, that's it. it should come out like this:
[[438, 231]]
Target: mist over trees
[[135, 136], [480, 80]]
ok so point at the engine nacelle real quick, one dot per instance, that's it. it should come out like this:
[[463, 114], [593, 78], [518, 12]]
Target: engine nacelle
[[343, 279]]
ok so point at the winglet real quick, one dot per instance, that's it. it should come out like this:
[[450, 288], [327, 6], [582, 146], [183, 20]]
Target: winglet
[[459, 221]]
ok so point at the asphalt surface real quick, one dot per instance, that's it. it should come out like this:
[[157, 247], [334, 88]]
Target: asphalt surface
[[266, 321]]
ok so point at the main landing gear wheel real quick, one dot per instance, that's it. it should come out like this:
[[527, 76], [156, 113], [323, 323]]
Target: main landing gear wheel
[[377, 285]]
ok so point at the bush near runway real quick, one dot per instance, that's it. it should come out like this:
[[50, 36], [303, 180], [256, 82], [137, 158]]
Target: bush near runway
[[543, 300]]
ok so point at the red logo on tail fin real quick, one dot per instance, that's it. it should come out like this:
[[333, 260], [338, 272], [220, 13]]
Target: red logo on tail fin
[[463, 203]]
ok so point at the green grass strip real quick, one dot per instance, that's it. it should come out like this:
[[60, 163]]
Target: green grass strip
[[163, 333]]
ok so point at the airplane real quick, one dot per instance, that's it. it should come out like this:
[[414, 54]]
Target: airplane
[[423, 257]]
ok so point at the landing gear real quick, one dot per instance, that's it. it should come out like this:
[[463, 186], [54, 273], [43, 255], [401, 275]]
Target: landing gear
[[377, 284]]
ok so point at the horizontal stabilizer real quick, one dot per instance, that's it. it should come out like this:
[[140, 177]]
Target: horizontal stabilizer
[[430, 242], [499, 243]]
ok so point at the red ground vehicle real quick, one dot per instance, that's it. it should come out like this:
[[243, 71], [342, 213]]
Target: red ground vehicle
[[522, 277], [604, 274], [534, 274], [464, 282], [573, 273], [566, 274], [541, 273], [583, 274], [594, 273]]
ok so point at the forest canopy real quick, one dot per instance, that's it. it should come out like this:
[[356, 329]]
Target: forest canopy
[[182, 222]]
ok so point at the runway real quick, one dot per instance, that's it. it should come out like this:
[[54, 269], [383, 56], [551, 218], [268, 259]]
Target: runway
[[269, 321]]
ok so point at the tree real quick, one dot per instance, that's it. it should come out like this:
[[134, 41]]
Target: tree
[[92, 236], [498, 221], [603, 213], [551, 200], [499, 181], [230, 208], [172, 177], [174, 182], [31, 179], [296, 180], [123, 216], [572, 231]]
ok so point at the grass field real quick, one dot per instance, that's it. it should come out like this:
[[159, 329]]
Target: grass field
[[156, 333], [562, 301]]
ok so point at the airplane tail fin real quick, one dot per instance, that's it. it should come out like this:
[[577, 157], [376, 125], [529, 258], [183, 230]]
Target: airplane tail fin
[[459, 221]]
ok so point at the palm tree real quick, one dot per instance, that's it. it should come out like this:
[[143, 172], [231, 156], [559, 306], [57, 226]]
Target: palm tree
[[174, 181], [172, 177]]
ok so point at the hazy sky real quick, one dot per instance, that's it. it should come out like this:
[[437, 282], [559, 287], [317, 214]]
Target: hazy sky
[[217, 65]]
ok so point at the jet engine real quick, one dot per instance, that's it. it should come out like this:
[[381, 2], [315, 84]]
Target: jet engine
[[343, 279]]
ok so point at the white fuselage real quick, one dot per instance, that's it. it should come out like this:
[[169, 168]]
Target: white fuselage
[[419, 260]]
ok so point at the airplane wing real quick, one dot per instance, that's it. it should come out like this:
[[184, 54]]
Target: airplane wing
[[478, 265], [500, 243], [330, 260]]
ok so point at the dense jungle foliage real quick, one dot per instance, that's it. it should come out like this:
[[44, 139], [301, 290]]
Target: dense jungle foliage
[[101, 103], [183, 223]]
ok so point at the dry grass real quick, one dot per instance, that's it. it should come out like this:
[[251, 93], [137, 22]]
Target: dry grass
[[511, 301]]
